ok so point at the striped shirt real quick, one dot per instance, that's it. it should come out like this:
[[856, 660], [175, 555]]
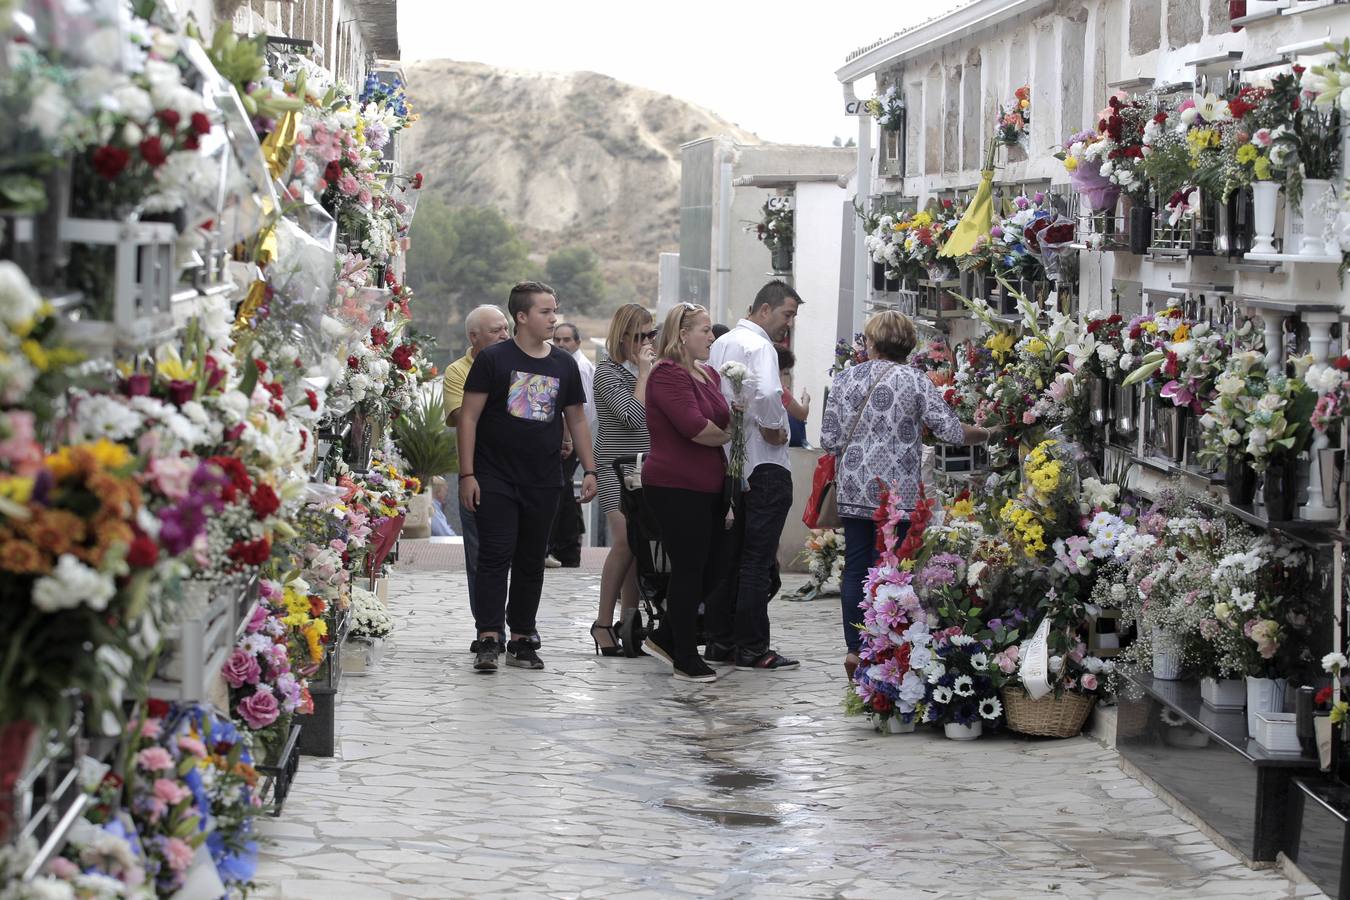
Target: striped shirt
[[621, 426]]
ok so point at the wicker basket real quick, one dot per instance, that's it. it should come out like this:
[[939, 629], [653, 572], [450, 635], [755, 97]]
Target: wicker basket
[[1050, 716]]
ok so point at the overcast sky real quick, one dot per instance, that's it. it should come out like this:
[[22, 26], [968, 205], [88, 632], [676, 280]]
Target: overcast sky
[[768, 67]]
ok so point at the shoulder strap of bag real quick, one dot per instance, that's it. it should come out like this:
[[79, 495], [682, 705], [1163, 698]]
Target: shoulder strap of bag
[[857, 420]]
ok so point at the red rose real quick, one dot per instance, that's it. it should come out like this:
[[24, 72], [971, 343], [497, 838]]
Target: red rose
[[278, 411], [402, 356], [155, 709], [264, 501], [234, 469], [1160, 118], [136, 385], [1323, 696], [191, 142], [880, 703], [417, 181], [152, 151], [378, 337], [110, 161], [261, 366], [251, 553], [201, 125], [143, 552], [181, 392], [298, 364], [232, 433], [169, 118], [1342, 363], [275, 390], [332, 172], [353, 362], [312, 400]]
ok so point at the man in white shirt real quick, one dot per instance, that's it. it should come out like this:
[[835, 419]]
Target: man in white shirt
[[738, 614], [564, 546]]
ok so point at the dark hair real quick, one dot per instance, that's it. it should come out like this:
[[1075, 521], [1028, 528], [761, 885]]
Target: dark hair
[[719, 329], [522, 298], [786, 358], [576, 332], [775, 294]]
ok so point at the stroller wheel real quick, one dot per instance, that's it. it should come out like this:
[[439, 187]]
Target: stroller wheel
[[631, 633]]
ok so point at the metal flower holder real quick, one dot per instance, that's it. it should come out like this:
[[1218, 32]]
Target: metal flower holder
[[211, 615], [138, 305]]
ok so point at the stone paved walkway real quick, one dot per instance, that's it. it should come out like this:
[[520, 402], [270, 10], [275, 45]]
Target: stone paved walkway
[[605, 777]]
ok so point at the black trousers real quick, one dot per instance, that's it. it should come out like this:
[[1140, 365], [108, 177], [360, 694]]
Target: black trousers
[[693, 536], [738, 611], [564, 542], [513, 524]]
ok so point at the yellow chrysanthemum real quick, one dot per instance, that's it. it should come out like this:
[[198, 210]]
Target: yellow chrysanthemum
[[1070, 163], [963, 509], [922, 219], [36, 354], [1246, 153], [1261, 168], [20, 490]]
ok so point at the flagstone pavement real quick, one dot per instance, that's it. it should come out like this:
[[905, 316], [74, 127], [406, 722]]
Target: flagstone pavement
[[604, 777]]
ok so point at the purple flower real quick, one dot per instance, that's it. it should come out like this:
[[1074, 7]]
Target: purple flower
[[1040, 197], [259, 709]]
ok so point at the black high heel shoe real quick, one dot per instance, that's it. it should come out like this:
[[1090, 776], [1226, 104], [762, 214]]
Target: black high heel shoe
[[614, 649], [631, 633]]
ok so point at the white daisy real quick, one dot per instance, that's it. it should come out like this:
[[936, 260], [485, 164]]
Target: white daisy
[[964, 686], [990, 708], [942, 695]]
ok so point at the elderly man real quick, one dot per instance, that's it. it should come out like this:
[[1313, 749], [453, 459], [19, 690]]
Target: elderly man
[[485, 326], [564, 543]]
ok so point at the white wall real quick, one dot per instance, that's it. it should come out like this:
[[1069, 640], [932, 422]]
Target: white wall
[[815, 270]]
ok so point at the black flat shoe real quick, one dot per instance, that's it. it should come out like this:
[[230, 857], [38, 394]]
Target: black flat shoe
[[614, 648]]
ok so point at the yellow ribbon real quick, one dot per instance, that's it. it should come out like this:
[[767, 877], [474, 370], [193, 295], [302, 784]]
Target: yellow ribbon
[[278, 146], [257, 293]]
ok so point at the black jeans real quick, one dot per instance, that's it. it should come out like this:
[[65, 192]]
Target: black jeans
[[738, 614], [694, 538], [513, 524], [564, 541]]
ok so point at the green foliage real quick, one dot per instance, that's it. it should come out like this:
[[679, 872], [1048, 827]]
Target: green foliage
[[425, 441], [574, 272], [461, 258]]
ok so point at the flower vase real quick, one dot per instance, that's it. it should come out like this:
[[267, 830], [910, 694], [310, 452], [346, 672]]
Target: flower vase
[[1166, 655], [1125, 404], [892, 285], [417, 524], [957, 732], [1264, 695], [782, 260], [1265, 196], [899, 725], [1223, 693], [1098, 190], [1240, 479], [878, 276], [1331, 469], [360, 441], [1279, 491], [1099, 396], [1141, 228], [1313, 215], [18, 748]]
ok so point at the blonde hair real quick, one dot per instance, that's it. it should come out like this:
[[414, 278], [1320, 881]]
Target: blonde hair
[[621, 326], [892, 334], [678, 320]]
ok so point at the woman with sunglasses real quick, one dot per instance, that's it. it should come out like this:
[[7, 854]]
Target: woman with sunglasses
[[620, 390], [683, 480]]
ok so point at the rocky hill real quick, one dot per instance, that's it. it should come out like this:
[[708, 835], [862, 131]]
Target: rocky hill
[[576, 158]]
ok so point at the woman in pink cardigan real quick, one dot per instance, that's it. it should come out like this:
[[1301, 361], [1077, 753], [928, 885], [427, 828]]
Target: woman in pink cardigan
[[683, 479]]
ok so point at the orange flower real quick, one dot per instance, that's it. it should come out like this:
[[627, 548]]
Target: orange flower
[[1022, 93], [246, 772], [55, 530], [21, 557]]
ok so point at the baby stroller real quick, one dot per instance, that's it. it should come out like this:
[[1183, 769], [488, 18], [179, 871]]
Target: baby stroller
[[644, 538]]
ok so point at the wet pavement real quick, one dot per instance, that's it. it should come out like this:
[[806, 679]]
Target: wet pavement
[[603, 777]]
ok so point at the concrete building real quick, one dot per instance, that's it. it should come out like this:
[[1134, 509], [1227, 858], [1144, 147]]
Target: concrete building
[[722, 264]]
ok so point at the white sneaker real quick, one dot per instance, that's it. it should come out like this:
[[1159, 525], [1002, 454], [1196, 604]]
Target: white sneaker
[[551, 563]]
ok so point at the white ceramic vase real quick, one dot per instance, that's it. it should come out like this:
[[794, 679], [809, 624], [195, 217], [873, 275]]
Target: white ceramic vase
[[957, 732], [897, 725], [1166, 656], [1265, 197], [1313, 215], [1223, 693], [1263, 695]]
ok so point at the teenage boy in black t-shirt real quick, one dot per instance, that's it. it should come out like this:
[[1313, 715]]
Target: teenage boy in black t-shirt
[[512, 400]]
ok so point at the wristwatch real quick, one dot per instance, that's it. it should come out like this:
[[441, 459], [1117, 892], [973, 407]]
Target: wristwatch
[[592, 472]]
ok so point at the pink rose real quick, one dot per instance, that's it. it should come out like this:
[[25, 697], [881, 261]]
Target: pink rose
[[1089, 682], [241, 669], [154, 759], [260, 709], [62, 868], [173, 475], [1028, 418], [171, 792], [178, 854], [349, 185]]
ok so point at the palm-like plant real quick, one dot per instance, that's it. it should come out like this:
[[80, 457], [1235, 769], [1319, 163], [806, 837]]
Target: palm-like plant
[[425, 441]]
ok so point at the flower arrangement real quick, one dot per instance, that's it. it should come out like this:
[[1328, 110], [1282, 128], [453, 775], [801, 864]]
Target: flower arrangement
[[848, 353], [961, 681], [1098, 352], [369, 617], [264, 692], [823, 553], [775, 227], [1013, 124], [888, 108], [737, 376]]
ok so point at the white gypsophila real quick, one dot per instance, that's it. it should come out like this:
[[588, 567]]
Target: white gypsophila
[[70, 584]]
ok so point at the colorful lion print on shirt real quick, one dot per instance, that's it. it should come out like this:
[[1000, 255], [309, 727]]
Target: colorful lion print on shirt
[[533, 397]]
